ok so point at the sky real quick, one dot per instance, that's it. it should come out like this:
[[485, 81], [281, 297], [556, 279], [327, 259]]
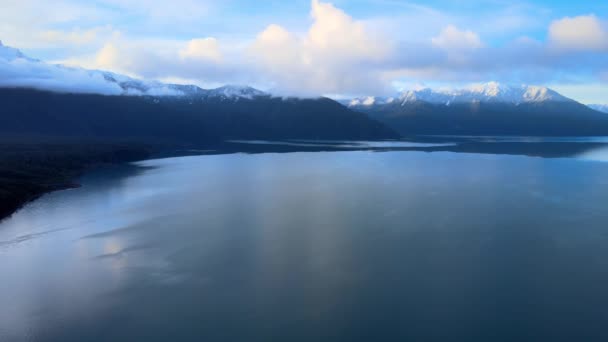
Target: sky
[[317, 47]]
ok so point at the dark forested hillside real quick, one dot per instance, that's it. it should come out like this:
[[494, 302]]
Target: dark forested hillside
[[28, 170], [197, 120], [550, 118], [47, 138]]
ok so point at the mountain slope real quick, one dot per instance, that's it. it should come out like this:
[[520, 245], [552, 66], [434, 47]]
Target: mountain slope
[[28, 112], [489, 109], [20, 71], [46, 100], [599, 107]]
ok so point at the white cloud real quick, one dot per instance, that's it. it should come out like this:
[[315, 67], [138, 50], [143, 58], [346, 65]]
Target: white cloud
[[18, 71], [453, 38], [198, 59], [202, 48], [336, 54], [45, 24], [333, 53], [459, 46], [334, 32], [279, 51], [108, 57], [579, 33]]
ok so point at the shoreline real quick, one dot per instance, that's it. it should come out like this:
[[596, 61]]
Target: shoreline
[[27, 174], [29, 171]]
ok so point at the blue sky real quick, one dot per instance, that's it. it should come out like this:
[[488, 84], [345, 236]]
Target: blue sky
[[311, 47]]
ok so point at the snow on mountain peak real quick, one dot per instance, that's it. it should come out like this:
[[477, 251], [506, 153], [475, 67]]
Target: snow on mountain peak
[[236, 91], [539, 94], [18, 70], [483, 92], [490, 89]]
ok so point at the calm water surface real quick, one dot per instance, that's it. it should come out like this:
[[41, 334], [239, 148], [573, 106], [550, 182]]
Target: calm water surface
[[341, 246]]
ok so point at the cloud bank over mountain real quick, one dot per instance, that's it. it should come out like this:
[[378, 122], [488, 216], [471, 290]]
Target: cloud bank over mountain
[[17, 70], [322, 48]]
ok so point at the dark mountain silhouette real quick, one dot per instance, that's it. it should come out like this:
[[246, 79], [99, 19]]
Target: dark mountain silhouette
[[50, 137], [548, 118], [485, 109], [180, 119]]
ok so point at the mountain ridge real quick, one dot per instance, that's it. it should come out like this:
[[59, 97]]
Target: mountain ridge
[[42, 99], [599, 107], [484, 92], [25, 72], [484, 109]]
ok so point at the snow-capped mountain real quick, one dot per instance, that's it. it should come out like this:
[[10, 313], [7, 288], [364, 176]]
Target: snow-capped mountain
[[488, 92], [236, 91], [484, 109], [599, 107], [153, 112], [19, 71]]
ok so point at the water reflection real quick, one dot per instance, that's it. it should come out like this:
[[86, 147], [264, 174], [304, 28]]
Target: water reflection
[[313, 246], [596, 154], [545, 147]]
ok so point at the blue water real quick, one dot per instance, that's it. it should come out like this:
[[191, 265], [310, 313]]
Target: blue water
[[334, 246]]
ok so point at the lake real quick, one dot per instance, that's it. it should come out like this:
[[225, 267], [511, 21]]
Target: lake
[[315, 246]]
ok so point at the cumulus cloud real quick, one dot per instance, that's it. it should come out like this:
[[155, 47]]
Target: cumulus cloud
[[579, 33], [453, 38], [453, 46], [332, 53], [202, 48], [337, 54], [335, 34], [198, 60], [108, 58]]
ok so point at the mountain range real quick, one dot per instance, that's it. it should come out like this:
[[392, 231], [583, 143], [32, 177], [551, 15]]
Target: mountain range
[[484, 109], [488, 92], [43, 99], [48, 100]]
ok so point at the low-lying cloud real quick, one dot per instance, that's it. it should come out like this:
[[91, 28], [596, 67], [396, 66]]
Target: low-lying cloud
[[20, 71], [17, 70]]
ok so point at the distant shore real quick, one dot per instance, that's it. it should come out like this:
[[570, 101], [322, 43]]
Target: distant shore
[[30, 170]]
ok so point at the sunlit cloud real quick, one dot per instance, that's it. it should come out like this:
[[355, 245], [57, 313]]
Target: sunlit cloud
[[453, 38], [350, 48], [202, 48], [335, 54], [579, 33]]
